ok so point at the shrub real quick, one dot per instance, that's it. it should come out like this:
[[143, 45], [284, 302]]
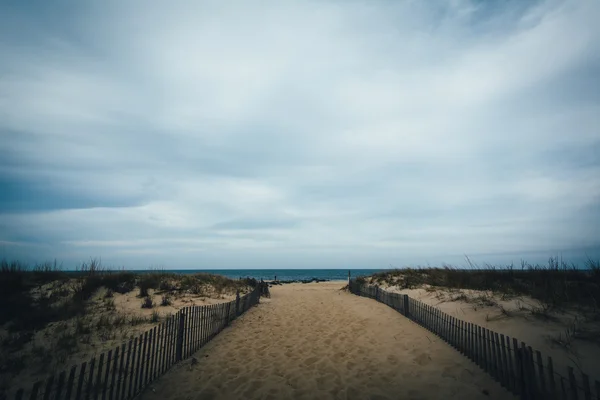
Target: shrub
[[166, 300], [155, 317], [147, 302], [110, 304], [109, 293]]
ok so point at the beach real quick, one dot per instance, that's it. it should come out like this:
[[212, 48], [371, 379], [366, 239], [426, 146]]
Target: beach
[[316, 341]]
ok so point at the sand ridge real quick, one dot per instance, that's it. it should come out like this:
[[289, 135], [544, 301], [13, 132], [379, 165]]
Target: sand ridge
[[313, 341]]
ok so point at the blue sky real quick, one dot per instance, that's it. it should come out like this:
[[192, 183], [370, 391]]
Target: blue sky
[[199, 134]]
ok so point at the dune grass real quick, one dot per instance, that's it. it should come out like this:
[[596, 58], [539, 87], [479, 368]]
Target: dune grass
[[33, 298], [555, 285]]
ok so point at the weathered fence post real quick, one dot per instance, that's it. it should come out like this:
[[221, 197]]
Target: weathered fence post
[[348, 278], [237, 303], [179, 350], [228, 313], [406, 310]]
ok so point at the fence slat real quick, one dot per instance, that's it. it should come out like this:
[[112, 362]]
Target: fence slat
[[163, 334], [534, 381], [469, 342], [519, 368], [542, 379], [506, 372], [573, 384], [563, 387], [124, 371], [147, 358], [198, 337], [585, 380], [90, 383], [173, 339], [139, 364], [60, 385], [133, 369], [189, 332], [463, 337], [597, 385], [551, 378], [115, 369], [500, 373], [98, 377], [180, 335], [80, 382], [154, 353], [48, 387], [34, 390], [19, 394], [70, 382], [493, 355], [106, 374], [165, 347]]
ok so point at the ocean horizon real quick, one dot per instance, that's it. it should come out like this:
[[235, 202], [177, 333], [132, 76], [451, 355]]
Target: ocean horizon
[[281, 274]]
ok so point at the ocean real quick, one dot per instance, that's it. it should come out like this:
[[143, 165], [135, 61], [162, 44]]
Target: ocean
[[281, 274]]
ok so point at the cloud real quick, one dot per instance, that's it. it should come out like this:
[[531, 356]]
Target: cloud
[[195, 134]]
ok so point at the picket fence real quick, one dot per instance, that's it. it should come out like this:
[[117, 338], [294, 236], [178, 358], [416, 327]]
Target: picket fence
[[123, 372], [516, 366]]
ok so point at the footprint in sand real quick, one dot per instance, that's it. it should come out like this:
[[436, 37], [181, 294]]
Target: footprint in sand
[[422, 359]]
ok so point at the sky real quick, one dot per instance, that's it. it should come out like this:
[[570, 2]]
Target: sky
[[299, 134]]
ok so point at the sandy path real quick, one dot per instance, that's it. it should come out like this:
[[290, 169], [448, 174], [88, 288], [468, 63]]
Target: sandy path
[[313, 341]]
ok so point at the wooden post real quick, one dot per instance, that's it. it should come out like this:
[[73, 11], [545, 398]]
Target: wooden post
[[534, 385], [99, 377], [228, 314], [60, 384], [90, 379], [154, 353], [406, 306], [115, 368], [180, 333], [123, 371], [585, 380], [139, 377], [70, 382], [349, 278], [540, 363], [35, 390], [147, 354], [48, 388], [133, 368], [513, 370], [80, 381], [520, 371], [506, 372], [551, 378], [573, 384], [237, 303], [107, 374]]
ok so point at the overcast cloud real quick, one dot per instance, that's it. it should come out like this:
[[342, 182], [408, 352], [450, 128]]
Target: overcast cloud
[[210, 134]]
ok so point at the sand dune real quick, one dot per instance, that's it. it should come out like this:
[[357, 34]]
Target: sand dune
[[313, 341]]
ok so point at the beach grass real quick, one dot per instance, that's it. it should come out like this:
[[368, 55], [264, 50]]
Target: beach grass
[[555, 285], [75, 308]]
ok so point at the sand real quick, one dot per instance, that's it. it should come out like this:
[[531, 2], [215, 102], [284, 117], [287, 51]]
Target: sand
[[549, 332], [314, 341]]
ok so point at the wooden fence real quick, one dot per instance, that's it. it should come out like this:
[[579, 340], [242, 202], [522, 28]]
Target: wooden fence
[[123, 372], [516, 366]]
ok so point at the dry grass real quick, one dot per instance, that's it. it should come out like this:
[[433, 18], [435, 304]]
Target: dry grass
[[74, 310]]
